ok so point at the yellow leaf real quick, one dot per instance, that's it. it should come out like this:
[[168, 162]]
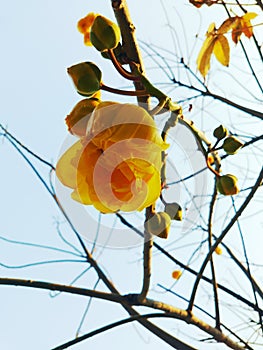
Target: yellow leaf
[[203, 59], [221, 50], [211, 29], [249, 15]]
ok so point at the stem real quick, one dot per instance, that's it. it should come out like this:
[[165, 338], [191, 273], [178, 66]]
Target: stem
[[120, 69], [123, 92], [147, 265], [210, 235], [129, 43], [212, 169]]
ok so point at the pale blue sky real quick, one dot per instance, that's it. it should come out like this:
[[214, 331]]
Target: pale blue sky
[[39, 40]]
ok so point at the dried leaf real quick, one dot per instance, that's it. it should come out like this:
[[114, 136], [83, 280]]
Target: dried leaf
[[226, 25], [222, 50], [237, 31], [243, 25], [199, 3]]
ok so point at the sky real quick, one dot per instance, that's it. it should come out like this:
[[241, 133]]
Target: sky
[[39, 41]]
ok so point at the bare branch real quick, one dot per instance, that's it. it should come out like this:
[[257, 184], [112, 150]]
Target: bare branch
[[221, 237]]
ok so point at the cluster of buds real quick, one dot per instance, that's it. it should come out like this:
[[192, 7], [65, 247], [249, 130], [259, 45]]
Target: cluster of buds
[[158, 224], [231, 144], [227, 184]]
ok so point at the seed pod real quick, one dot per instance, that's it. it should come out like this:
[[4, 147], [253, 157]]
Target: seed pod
[[220, 132], [174, 211], [231, 145], [86, 77], [227, 185], [158, 224], [78, 118], [104, 34]]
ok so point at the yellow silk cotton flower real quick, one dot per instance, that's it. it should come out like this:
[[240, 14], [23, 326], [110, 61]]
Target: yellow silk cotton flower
[[84, 26], [117, 165]]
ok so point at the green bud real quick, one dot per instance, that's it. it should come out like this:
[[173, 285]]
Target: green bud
[[174, 211], [227, 185], [220, 132], [158, 224], [78, 118], [231, 145], [86, 77], [104, 34]]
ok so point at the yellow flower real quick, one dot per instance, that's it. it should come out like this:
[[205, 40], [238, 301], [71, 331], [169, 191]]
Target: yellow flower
[[116, 166], [218, 250], [84, 26], [176, 274]]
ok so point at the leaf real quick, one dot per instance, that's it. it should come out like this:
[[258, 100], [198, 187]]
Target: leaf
[[243, 25], [203, 59], [222, 50], [237, 31], [227, 25], [211, 29], [249, 15]]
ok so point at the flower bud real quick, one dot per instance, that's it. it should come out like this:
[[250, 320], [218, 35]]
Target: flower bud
[[174, 211], [176, 274], [104, 34], [227, 185], [86, 77], [220, 132], [158, 224], [78, 118], [218, 250], [231, 145]]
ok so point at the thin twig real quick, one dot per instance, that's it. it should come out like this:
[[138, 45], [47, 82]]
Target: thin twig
[[248, 265], [111, 326], [6, 132], [189, 269], [242, 268], [221, 237]]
